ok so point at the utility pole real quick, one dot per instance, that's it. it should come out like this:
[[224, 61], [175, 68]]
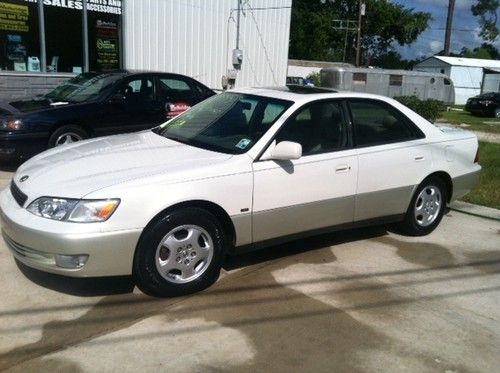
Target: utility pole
[[449, 22], [361, 13]]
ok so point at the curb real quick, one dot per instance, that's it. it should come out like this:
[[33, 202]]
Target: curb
[[476, 210]]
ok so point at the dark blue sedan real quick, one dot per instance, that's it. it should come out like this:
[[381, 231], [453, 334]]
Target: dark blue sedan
[[94, 104]]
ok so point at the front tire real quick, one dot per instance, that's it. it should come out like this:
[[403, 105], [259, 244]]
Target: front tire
[[67, 135], [181, 253], [426, 208]]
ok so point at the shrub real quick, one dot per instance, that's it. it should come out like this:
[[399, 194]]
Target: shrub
[[429, 109], [315, 79]]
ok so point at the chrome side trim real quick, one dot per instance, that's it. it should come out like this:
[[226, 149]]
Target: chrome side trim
[[269, 224], [383, 203], [463, 184]]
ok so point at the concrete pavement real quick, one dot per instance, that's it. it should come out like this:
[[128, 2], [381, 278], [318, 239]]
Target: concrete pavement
[[365, 300]]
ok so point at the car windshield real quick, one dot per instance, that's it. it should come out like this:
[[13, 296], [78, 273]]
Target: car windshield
[[83, 87], [229, 122]]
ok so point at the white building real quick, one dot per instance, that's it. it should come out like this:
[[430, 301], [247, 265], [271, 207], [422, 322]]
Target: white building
[[197, 38], [467, 74]]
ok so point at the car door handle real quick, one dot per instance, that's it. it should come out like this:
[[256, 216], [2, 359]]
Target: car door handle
[[343, 168], [419, 158]]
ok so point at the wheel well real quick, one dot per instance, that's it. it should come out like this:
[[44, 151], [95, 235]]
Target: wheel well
[[447, 181], [221, 215], [76, 124]]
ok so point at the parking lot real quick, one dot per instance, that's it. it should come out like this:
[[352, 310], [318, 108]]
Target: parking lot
[[358, 301]]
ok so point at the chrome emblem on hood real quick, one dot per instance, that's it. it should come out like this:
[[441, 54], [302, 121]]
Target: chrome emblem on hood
[[24, 178]]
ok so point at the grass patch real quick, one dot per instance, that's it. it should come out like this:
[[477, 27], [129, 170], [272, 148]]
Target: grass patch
[[487, 192], [476, 123]]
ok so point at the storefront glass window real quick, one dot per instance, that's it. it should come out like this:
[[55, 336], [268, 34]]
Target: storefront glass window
[[63, 39], [20, 36]]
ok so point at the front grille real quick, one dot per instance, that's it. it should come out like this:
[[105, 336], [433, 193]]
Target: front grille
[[19, 196]]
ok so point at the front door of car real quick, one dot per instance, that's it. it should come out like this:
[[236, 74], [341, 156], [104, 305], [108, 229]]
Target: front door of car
[[312, 192], [133, 106], [393, 158]]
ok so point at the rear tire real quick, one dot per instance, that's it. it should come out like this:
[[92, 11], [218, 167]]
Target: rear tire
[[497, 113], [67, 135], [426, 208], [179, 254]]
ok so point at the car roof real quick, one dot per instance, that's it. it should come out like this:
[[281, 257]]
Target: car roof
[[135, 72], [304, 94]]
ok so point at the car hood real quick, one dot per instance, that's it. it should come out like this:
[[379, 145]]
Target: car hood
[[29, 105], [78, 169]]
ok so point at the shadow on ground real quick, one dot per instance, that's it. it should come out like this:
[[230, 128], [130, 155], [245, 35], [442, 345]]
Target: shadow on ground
[[287, 328], [101, 286]]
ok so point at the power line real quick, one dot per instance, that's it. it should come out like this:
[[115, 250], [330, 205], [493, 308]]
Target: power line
[[273, 7], [453, 29], [262, 42]]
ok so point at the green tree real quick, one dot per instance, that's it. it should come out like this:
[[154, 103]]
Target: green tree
[[485, 51], [486, 10], [393, 60], [313, 36]]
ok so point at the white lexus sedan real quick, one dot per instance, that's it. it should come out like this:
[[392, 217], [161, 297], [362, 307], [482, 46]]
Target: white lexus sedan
[[242, 170]]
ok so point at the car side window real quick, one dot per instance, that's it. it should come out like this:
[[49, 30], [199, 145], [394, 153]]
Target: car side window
[[174, 89], [319, 128], [375, 124], [138, 90]]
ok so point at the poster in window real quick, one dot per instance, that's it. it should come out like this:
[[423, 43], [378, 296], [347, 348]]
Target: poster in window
[[107, 45], [14, 17]]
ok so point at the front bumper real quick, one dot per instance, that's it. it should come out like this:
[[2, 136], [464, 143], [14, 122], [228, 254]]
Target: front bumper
[[22, 146], [37, 242]]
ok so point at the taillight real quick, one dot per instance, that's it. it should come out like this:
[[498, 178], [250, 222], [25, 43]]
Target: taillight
[[476, 158]]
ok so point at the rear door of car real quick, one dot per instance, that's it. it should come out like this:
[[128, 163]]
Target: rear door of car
[[393, 157], [177, 93], [315, 191]]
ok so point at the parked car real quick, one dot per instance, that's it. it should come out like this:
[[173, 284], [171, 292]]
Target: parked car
[[486, 104], [241, 170], [94, 104]]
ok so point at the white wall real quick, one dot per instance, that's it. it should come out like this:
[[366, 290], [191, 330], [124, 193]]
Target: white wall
[[467, 81], [302, 71], [196, 38]]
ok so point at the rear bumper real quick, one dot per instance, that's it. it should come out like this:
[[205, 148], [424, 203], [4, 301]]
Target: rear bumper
[[480, 110], [463, 184]]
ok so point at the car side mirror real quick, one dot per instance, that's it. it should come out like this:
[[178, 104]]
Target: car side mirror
[[283, 151], [117, 99]]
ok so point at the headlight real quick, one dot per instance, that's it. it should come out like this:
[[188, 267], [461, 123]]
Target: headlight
[[486, 102], [11, 124], [91, 211], [79, 211]]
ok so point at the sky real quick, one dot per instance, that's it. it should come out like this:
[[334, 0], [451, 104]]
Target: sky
[[465, 28]]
